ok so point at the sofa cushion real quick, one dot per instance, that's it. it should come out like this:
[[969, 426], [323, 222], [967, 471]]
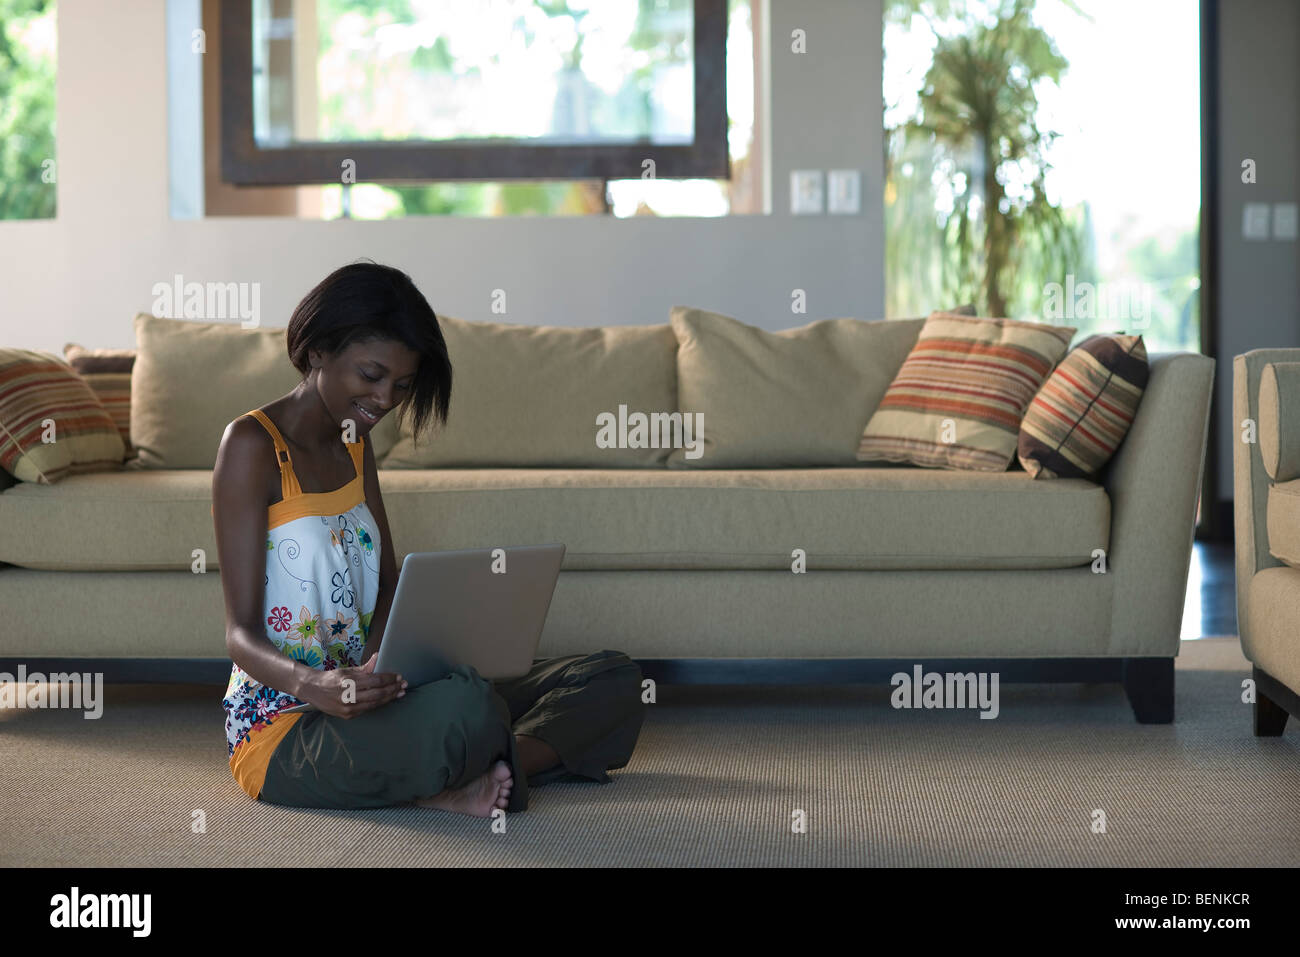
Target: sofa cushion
[[192, 379], [851, 518], [1274, 596], [530, 396], [42, 397], [959, 397], [794, 398], [1279, 420], [1083, 411], [1283, 516]]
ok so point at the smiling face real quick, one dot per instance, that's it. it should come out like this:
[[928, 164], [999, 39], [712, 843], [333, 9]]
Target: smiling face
[[365, 378]]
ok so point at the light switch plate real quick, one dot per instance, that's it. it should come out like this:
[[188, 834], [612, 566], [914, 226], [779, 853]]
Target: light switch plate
[[1254, 221], [843, 188], [1286, 221], [806, 192]]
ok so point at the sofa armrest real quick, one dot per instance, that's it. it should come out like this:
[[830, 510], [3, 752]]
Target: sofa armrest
[[1154, 482], [1250, 480]]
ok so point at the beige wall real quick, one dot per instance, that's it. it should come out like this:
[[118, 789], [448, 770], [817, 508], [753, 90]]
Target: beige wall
[[83, 275]]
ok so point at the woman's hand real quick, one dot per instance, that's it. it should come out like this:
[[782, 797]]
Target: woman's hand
[[364, 689]]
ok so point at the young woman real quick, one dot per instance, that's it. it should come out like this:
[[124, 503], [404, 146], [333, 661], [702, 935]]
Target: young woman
[[309, 574]]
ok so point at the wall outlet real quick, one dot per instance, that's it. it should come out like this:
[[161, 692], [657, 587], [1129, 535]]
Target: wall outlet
[[843, 191], [1254, 221], [806, 192], [1286, 221]]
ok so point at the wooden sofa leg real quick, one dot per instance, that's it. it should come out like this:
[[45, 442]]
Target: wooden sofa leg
[[1270, 717], [1149, 684]]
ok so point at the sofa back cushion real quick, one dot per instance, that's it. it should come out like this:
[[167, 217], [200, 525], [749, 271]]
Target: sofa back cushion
[[536, 396], [798, 397], [191, 379]]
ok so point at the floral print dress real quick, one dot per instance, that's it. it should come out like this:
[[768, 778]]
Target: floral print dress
[[322, 584]]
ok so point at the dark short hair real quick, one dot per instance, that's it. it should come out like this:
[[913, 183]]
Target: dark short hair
[[364, 301]]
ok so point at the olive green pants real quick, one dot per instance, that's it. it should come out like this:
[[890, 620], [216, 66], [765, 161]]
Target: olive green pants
[[446, 733]]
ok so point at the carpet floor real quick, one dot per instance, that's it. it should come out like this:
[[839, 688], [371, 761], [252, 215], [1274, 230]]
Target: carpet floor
[[719, 777]]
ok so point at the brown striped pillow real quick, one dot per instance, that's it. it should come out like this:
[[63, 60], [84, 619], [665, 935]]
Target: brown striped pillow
[[108, 373], [98, 360], [35, 386], [1084, 409], [958, 399]]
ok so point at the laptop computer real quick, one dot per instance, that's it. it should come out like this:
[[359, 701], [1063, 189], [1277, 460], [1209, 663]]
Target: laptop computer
[[482, 607]]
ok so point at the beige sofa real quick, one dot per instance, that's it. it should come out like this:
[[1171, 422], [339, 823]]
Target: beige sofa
[[685, 568], [1266, 502]]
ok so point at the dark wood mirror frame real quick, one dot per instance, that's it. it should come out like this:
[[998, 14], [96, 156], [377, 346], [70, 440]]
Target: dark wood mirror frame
[[243, 163]]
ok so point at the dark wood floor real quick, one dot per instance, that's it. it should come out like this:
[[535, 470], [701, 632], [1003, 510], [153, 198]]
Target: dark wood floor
[[1211, 608]]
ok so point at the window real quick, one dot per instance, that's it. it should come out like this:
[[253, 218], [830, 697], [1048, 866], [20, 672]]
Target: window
[[1044, 163], [27, 73], [493, 107]]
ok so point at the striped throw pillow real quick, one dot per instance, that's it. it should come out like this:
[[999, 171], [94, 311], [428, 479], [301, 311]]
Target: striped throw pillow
[[958, 399], [108, 373], [34, 387], [98, 360], [1084, 409]]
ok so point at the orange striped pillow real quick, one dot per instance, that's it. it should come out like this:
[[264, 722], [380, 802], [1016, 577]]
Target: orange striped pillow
[[40, 396], [108, 373], [113, 390], [1084, 409], [958, 399]]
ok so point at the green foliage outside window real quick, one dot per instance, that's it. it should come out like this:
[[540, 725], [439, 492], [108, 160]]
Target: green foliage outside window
[[561, 198], [27, 171], [995, 232], [969, 216]]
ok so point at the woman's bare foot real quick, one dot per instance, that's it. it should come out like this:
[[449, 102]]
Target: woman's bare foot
[[479, 797]]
